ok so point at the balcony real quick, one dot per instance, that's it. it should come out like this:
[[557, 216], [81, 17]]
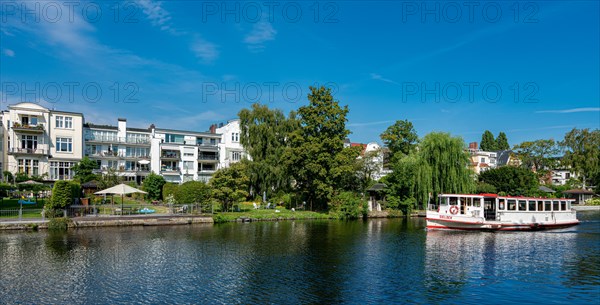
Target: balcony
[[114, 139], [170, 155], [28, 151], [38, 128], [208, 157], [167, 170], [104, 154]]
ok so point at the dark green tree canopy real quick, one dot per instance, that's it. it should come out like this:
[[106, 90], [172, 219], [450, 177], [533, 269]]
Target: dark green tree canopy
[[400, 137], [488, 143], [502, 142], [84, 170], [515, 181], [538, 154], [192, 192], [153, 185], [230, 185], [582, 154]]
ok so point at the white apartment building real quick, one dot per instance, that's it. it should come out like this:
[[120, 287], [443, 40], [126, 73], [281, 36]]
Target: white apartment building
[[181, 156], [119, 149], [230, 148], [41, 142]]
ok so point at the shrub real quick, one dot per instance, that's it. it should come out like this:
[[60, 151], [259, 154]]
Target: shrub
[[192, 192], [59, 224], [169, 189], [593, 201], [347, 205], [63, 194], [154, 185]]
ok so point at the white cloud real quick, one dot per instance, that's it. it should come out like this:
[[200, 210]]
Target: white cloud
[[207, 51], [9, 52], [157, 15], [376, 76], [573, 110], [261, 32]]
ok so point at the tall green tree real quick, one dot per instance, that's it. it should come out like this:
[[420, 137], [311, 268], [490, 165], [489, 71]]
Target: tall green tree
[[315, 145], [265, 135], [230, 185], [448, 165], [488, 143], [400, 138], [582, 154], [502, 142], [193, 192], [516, 181], [538, 154], [153, 185], [84, 170]]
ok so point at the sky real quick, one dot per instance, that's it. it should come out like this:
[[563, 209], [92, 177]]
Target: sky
[[529, 69]]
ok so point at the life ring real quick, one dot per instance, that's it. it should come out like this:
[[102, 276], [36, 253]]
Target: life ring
[[453, 210]]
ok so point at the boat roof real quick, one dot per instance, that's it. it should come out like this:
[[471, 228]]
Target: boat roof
[[503, 197]]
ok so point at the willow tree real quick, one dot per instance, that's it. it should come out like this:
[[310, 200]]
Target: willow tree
[[264, 134], [582, 154], [448, 164]]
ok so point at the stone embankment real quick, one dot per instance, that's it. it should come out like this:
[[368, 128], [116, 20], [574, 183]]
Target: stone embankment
[[119, 221]]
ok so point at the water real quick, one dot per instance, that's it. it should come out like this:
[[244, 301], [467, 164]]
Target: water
[[317, 262]]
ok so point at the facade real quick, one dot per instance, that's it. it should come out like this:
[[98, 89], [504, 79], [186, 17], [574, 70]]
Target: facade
[[119, 149], [48, 143], [41, 142], [376, 156], [230, 148], [182, 156]]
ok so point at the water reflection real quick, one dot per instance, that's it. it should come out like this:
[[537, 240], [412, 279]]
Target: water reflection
[[373, 261]]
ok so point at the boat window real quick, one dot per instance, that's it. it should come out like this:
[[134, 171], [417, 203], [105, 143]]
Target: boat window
[[512, 204], [555, 205], [568, 205], [443, 200], [476, 202], [469, 201], [540, 206], [532, 205], [547, 205], [522, 205], [501, 205], [453, 200], [563, 205]]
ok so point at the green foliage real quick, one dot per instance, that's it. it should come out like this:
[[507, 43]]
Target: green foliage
[[350, 173], [169, 189], [84, 170], [230, 185], [511, 180], [63, 194], [8, 176], [153, 185], [109, 179], [593, 201], [400, 138], [315, 145], [488, 143], [538, 155], [265, 135], [59, 224], [502, 142], [4, 189], [582, 154], [347, 205], [192, 192], [485, 188], [21, 177]]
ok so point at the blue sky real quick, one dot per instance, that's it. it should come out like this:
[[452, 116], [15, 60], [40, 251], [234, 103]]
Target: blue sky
[[530, 69]]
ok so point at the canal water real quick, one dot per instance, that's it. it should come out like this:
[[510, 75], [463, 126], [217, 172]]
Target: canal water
[[379, 261]]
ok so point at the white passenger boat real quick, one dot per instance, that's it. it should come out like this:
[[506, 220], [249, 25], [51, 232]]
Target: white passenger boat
[[493, 212]]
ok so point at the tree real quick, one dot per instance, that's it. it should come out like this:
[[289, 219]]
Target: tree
[[192, 192], [8, 176], [410, 179], [400, 138], [230, 185], [153, 185], [537, 155], [512, 180], [315, 145], [582, 154], [109, 179], [265, 135], [63, 194], [502, 142], [488, 143], [352, 172], [84, 170], [169, 189]]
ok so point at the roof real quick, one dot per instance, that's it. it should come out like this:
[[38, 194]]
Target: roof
[[188, 132], [502, 157], [546, 189], [579, 191], [377, 187]]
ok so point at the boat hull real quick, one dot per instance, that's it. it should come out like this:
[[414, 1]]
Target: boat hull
[[444, 224]]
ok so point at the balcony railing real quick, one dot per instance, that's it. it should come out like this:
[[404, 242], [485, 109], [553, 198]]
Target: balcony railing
[[112, 139], [170, 156], [208, 157], [168, 169], [28, 151], [208, 144], [38, 128]]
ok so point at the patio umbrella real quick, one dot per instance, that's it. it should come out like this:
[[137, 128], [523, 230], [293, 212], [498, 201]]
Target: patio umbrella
[[121, 189], [29, 182]]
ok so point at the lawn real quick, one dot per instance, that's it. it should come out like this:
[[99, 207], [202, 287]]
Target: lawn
[[247, 210], [10, 203]]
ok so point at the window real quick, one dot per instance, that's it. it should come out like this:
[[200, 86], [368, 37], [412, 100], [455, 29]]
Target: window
[[236, 156], [64, 121], [199, 141], [501, 205], [174, 138], [555, 206], [137, 138], [547, 206], [29, 142], [235, 137], [188, 165], [61, 170], [482, 160], [512, 204], [213, 141], [29, 167], [522, 205], [563, 205], [137, 152], [532, 205], [567, 175], [453, 200], [64, 144], [477, 202], [68, 122]]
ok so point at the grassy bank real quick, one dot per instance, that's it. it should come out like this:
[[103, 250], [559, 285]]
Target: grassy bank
[[247, 210]]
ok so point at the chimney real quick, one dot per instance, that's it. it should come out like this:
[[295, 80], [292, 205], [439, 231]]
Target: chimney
[[213, 128], [473, 146]]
